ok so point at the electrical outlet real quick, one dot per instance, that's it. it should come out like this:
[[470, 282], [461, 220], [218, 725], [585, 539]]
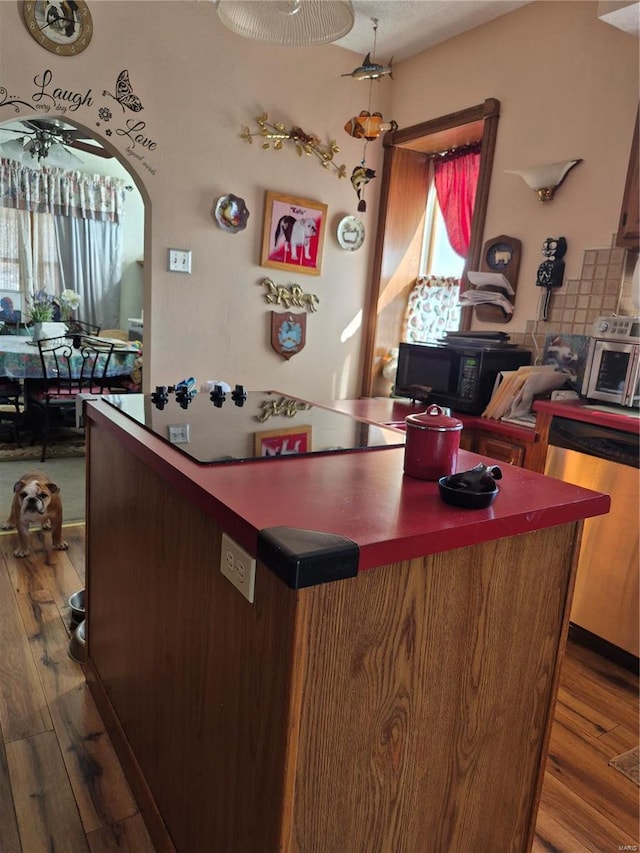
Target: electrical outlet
[[238, 566], [180, 260], [179, 433]]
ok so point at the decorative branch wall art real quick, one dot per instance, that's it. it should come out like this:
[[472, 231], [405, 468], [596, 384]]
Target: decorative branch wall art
[[274, 134]]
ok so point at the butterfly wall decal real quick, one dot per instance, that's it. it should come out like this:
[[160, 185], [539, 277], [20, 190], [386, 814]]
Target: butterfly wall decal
[[124, 93]]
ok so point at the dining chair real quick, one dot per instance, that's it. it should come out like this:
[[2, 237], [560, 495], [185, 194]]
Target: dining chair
[[83, 327], [116, 334], [9, 328], [11, 404], [69, 368], [127, 383]]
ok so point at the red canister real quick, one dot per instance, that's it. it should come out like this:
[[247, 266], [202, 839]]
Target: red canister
[[432, 444]]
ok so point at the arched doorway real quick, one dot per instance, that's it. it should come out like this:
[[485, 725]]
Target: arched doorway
[[73, 147]]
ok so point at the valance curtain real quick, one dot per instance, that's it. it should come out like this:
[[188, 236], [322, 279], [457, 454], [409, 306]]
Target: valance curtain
[[51, 190], [456, 181], [433, 308]]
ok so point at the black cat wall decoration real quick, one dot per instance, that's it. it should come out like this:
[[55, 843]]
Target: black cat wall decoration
[[551, 271]]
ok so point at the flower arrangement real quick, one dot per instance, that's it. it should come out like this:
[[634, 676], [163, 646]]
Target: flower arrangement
[[41, 306], [69, 301]]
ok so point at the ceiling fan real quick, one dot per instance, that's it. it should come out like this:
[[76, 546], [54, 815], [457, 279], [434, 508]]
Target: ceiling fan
[[46, 140]]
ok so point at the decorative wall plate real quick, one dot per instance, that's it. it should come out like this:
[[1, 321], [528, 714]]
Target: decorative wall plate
[[230, 213], [62, 28], [350, 233]]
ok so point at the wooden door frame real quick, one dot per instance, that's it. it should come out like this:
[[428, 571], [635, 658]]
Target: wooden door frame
[[414, 138]]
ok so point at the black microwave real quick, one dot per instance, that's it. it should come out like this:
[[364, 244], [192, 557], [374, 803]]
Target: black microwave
[[461, 377]]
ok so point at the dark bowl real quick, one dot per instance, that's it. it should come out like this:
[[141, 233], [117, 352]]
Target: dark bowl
[[466, 498], [76, 603]]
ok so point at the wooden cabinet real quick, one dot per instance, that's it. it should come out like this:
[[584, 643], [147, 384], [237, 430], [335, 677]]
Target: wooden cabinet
[[628, 236], [406, 709], [502, 448], [508, 443], [467, 439]]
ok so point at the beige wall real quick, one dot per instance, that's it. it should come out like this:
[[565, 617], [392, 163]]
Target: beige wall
[[198, 84], [568, 85]]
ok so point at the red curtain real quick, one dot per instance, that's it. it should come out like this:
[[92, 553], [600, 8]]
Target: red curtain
[[456, 180]]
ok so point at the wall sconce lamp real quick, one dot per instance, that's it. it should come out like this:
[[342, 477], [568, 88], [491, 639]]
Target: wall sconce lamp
[[546, 179]]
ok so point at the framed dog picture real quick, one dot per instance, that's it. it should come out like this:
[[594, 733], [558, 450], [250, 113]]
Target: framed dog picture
[[283, 442], [293, 234]]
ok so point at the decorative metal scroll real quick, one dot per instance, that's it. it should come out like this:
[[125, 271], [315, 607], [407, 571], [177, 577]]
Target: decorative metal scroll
[[284, 406]]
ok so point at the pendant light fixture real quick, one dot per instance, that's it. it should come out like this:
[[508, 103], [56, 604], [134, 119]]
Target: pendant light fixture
[[288, 22]]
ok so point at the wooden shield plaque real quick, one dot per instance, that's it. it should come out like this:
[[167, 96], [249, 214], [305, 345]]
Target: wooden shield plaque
[[288, 333]]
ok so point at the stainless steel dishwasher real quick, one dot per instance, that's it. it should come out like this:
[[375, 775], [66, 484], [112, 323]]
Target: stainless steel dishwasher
[[606, 595]]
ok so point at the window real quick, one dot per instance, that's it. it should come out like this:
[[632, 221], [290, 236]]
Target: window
[[10, 231], [28, 252], [45, 257], [438, 257]]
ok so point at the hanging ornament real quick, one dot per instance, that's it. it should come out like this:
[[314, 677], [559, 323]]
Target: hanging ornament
[[370, 69], [367, 125], [360, 177]]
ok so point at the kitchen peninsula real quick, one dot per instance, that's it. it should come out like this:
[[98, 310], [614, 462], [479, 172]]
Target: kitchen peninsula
[[405, 706]]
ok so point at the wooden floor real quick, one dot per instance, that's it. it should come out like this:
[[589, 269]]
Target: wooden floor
[[62, 789]]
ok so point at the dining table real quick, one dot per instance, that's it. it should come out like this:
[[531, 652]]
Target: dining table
[[20, 357]]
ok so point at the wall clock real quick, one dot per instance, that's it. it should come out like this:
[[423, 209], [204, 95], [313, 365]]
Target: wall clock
[[62, 26]]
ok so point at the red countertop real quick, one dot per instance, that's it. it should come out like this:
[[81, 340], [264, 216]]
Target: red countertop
[[361, 495], [592, 413], [393, 411]]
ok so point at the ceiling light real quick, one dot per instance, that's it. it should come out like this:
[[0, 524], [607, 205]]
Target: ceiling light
[[546, 179], [57, 154], [288, 22]]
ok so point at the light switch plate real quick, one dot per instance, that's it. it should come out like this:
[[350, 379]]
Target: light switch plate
[[179, 434], [180, 260]]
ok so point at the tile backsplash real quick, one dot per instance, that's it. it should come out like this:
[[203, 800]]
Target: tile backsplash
[[604, 287]]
